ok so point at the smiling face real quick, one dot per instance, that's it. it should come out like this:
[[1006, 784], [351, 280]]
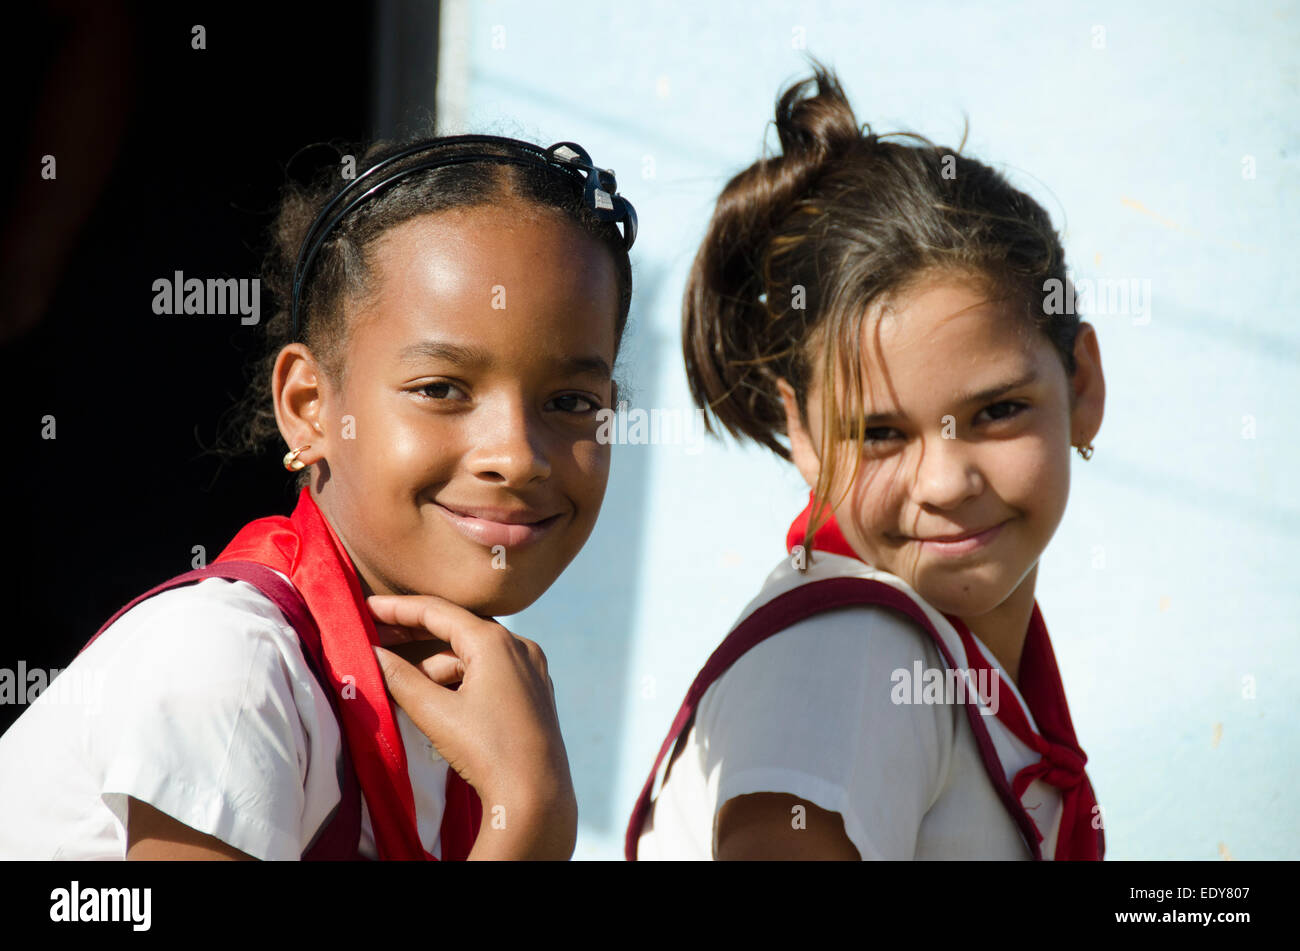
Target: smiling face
[[969, 427], [459, 458]]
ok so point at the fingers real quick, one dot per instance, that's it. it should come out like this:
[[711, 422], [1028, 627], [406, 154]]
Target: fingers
[[537, 657], [391, 634], [501, 724], [429, 705], [445, 669], [458, 627], [434, 658], [417, 626]]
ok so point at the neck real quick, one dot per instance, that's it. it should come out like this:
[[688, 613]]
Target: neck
[[1003, 630], [369, 580]]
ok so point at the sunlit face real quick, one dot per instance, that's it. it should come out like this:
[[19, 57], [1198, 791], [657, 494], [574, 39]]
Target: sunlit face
[[969, 427], [460, 456]]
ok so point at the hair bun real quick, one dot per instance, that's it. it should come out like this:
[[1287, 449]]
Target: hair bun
[[818, 126]]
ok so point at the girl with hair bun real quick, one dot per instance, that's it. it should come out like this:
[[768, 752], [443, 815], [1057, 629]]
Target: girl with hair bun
[[880, 314]]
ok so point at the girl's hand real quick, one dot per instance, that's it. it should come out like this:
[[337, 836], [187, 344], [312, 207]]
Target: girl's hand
[[419, 647], [499, 730]]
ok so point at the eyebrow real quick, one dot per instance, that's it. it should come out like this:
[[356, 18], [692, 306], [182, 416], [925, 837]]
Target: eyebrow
[[982, 396], [470, 357]]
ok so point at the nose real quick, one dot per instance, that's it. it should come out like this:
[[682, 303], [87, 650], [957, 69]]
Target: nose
[[509, 446], [947, 473]]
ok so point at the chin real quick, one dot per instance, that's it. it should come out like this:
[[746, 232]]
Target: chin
[[501, 594], [972, 599]]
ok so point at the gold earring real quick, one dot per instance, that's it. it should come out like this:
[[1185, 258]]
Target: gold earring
[[1085, 451], [291, 460]]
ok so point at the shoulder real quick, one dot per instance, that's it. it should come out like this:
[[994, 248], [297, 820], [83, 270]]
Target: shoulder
[[776, 703], [847, 646], [838, 666], [216, 620], [810, 717], [211, 715], [225, 597], [214, 644], [198, 702]]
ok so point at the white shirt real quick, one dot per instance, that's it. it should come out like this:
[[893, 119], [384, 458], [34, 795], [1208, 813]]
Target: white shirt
[[811, 712], [198, 701]]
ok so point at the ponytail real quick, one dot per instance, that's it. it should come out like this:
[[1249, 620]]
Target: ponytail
[[735, 316]]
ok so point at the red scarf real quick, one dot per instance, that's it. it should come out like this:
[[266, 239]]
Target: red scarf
[[306, 548], [1062, 760]]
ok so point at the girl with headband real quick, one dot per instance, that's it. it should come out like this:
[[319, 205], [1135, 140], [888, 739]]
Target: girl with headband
[[448, 323], [891, 692]]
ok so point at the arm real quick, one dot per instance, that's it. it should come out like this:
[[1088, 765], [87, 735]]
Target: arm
[[762, 826], [864, 768], [535, 833], [153, 835], [203, 735]]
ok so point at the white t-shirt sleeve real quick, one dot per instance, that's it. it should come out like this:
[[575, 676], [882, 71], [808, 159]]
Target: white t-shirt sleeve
[[201, 721], [810, 712]]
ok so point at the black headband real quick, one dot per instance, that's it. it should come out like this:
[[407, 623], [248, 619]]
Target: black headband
[[600, 189]]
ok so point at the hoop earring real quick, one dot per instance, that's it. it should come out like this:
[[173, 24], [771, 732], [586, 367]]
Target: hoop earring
[[291, 460], [1085, 451]]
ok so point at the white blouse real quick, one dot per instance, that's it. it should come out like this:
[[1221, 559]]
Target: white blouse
[[812, 712], [198, 701]]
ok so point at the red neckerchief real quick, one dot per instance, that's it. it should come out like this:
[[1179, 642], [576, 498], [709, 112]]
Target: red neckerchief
[[1062, 760], [306, 548]]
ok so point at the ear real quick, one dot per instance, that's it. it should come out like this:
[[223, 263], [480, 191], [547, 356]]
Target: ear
[[801, 442], [297, 392], [1087, 388]]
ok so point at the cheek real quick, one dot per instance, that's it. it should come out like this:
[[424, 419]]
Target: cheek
[[1034, 482], [397, 439], [589, 463], [1032, 475], [878, 492], [870, 511]]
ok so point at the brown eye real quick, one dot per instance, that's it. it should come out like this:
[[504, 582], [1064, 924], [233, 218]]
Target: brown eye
[[588, 405], [1015, 409], [874, 436], [439, 390]]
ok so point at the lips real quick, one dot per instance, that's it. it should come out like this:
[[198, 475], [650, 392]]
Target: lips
[[961, 544], [488, 526], [957, 538]]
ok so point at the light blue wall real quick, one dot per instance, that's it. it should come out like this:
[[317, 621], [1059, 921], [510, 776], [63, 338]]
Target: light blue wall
[[1171, 585]]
